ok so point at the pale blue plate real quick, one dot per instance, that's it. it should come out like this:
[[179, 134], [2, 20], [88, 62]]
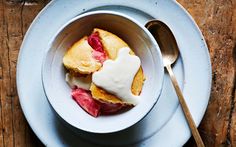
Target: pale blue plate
[[165, 125]]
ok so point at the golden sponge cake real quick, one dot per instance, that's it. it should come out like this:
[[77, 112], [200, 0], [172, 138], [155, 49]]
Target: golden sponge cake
[[111, 44], [79, 59]]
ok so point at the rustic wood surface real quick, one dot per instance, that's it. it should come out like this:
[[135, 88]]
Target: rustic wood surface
[[217, 21]]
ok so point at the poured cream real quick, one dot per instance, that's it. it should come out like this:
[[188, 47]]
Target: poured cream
[[116, 76], [80, 82]]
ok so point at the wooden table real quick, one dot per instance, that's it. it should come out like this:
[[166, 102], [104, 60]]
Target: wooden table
[[217, 21]]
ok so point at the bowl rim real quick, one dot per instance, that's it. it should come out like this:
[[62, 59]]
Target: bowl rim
[[142, 27]]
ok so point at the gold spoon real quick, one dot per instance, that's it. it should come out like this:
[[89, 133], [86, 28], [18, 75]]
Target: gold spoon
[[170, 53]]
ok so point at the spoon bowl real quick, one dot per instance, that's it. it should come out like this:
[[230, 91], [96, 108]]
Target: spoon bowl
[[166, 42]]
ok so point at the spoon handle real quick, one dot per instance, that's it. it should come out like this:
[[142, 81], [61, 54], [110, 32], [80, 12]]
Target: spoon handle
[[185, 108]]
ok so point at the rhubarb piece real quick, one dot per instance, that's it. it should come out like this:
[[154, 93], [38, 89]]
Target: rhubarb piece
[[95, 43], [98, 51], [85, 100], [110, 108]]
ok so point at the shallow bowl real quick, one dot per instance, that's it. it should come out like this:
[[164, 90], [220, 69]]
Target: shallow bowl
[[53, 72]]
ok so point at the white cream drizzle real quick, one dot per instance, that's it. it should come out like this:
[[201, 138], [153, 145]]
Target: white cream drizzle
[[80, 82], [116, 76]]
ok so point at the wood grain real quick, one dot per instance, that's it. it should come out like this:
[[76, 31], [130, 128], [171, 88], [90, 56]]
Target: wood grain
[[15, 18], [217, 21]]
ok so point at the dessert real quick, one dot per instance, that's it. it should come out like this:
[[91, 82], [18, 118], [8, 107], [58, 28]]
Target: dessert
[[105, 75], [79, 59]]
